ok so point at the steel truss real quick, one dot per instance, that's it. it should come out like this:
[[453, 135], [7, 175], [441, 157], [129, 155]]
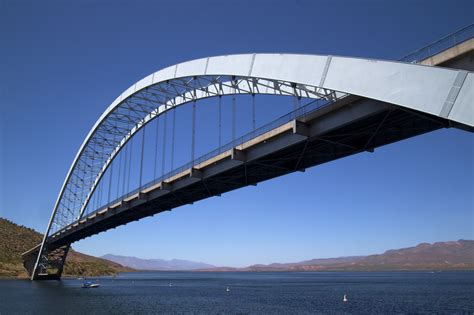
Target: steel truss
[[112, 134]]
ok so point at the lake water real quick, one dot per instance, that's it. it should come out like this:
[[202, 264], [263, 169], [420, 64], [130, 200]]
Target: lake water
[[250, 293]]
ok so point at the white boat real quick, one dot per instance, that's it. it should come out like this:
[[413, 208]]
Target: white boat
[[227, 290], [345, 298], [89, 285]]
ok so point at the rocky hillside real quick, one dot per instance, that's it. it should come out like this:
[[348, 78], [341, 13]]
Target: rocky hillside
[[453, 255], [16, 239]]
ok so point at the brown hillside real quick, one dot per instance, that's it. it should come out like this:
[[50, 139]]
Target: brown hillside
[[16, 239]]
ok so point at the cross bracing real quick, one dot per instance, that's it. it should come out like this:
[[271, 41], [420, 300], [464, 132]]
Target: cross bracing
[[138, 110]]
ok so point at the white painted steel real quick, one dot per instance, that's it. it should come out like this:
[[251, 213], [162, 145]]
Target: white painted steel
[[418, 87], [463, 110]]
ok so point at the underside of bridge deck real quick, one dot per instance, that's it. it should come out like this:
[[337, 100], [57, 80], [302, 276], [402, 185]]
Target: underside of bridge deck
[[306, 144]]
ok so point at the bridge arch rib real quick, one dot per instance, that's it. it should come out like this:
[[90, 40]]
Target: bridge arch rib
[[446, 93]]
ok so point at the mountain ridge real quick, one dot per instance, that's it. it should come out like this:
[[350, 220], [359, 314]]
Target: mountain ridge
[[157, 264], [449, 255]]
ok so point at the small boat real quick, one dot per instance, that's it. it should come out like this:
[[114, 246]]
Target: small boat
[[227, 290], [89, 285], [170, 285], [345, 298]]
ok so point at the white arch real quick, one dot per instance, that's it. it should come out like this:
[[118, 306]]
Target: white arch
[[423, 88]]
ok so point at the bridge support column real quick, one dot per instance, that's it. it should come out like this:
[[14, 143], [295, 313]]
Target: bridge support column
[[50, 265]]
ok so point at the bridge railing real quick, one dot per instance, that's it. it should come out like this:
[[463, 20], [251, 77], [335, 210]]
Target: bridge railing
[[440, 45], [299, 113]]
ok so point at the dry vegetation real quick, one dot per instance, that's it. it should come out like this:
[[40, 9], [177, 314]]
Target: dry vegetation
[[16, 239]]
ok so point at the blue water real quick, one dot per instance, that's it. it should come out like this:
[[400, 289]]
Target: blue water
[[250, 293]]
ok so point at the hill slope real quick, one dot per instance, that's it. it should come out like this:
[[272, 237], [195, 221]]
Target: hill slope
[[454, 255], [157, 264], [16, 239]]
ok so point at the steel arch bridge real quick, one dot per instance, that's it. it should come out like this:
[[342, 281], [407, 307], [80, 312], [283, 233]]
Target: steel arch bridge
[[356, 105]]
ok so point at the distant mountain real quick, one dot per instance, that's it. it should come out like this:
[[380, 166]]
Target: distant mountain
[[157, 264], [441, 255], [329, 261], [16, 239], [454, 255], [312, 262]]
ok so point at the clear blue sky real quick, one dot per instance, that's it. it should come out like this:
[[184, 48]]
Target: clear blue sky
[[62, 65]]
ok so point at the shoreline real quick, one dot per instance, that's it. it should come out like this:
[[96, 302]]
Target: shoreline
[[73, 277]]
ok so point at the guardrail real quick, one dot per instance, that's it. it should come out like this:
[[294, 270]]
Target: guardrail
[[440, 45]]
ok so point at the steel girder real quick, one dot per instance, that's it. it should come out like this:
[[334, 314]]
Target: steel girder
[[122, 123]]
